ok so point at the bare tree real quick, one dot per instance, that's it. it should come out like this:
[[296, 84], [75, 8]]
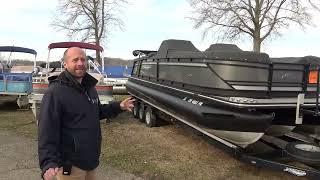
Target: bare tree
[[231, 19], [89, 20]]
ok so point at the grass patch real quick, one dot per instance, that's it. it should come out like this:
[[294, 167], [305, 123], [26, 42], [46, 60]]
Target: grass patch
[[13, 119]]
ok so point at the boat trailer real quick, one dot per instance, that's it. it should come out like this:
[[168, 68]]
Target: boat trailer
[[296, 153]]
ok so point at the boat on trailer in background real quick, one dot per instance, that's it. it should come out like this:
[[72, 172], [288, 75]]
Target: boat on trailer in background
[[13, 83], [237, 98], [40, 80]]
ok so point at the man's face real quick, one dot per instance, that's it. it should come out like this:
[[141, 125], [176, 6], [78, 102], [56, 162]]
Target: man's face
[[76, 62]]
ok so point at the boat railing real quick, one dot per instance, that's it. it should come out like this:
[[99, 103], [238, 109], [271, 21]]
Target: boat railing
[[15, 83], [282, 78], [2, 85]]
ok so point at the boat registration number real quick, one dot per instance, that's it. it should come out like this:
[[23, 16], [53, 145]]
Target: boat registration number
[[193, 101]]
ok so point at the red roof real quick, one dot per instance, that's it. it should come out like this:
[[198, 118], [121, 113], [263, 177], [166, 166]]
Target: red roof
[[75, 44]]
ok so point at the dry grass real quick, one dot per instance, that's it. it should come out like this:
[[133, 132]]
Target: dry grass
[[171, 152], [167, 152]]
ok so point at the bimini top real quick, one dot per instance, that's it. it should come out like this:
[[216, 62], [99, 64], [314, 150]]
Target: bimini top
[[75, 44], [173, 48], [17, 49]]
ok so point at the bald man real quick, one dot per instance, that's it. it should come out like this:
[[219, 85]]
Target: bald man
[[69, 128]]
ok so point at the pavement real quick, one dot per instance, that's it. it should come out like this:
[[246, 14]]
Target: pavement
[[19, 160]]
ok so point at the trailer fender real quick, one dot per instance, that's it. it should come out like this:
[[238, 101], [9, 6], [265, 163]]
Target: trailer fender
[[304, 152]]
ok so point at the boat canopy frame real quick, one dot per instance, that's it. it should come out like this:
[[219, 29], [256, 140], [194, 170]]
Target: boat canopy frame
[[12, 49], [75, 44], [70, 44], [17, 49]]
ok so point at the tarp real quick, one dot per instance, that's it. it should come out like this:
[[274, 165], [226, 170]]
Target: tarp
[[172, 48], [297, 60], [17, 49], [75, 44], [117, 71]]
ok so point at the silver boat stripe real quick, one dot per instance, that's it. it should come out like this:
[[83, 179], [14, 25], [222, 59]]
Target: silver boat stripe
[[183, 64]]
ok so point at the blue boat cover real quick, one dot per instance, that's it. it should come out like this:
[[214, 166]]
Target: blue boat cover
[[22, 78], [117, 71], [17, 49]]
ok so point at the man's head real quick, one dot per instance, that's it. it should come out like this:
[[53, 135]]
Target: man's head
[[75, 61]]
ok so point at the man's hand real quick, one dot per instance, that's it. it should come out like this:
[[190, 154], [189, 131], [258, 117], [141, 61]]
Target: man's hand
[[51, 173], [127, 104]]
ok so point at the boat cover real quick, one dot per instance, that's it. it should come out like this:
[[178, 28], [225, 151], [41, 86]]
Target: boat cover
[[178, 49], [17, 49], [233, 52], [298, 60]]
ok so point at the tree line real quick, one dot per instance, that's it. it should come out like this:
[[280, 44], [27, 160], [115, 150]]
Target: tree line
[[93, 20]]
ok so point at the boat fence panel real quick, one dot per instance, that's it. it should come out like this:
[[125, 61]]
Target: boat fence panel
[[18, 83], [2, 83]]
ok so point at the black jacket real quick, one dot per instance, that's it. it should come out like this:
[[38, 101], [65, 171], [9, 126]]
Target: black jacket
[[69, 126]]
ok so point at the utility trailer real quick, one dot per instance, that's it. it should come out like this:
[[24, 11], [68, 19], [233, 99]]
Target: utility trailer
[[295, 153]]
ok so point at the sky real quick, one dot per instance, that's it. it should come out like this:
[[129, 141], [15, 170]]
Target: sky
[[147, 24]]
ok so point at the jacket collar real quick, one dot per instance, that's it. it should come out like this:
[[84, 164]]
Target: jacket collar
[[67, 78]]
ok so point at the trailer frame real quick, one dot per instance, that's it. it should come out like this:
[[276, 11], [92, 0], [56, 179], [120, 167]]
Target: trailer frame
[[276, 159]]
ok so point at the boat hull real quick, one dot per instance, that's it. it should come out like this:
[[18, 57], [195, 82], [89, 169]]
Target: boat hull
[[242, 139], [279, 130], [234, 125]]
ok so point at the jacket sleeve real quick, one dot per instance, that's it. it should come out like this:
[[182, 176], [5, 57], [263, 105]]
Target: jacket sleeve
[[110, 110], [49, 132]]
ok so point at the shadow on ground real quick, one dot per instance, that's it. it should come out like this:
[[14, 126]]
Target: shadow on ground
[[8, 103]]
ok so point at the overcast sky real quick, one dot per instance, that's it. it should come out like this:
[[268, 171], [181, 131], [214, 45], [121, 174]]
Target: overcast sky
[[147, 24]]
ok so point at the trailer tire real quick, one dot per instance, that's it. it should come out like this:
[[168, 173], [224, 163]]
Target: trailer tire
[[135, 110], [150, 117], [23, 102], [141, 114], [304, 152]]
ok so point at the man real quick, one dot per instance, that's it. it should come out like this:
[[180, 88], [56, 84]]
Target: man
[[69, 129]]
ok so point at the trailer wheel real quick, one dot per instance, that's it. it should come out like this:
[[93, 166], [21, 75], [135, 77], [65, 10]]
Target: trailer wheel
[[23, 102], [304, 152], [150, 117], [135, 110], [141, 113]]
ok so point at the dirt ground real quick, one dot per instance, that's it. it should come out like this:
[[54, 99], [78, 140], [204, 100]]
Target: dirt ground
[[18, 147], [131, 150]]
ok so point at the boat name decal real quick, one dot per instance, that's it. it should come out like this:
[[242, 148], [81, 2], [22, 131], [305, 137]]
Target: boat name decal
[[192, 101], [296, 172]]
